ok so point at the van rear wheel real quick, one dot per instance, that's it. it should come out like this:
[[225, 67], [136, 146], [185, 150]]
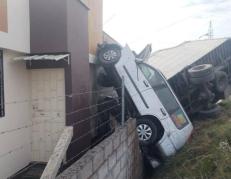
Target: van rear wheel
[[147, 131], [109, 54]]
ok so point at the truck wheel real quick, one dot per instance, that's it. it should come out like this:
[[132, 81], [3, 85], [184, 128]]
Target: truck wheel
[[147, 131], [203, 79], [211, 113], [201, 70], [221, 81], [109, 54]]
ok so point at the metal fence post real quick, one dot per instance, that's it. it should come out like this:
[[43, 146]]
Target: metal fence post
[[122, 103]]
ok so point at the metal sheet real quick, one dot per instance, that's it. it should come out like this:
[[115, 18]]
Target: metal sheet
[[43, 57], [172, 60]]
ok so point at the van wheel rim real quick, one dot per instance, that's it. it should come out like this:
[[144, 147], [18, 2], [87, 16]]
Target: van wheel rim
[[144, 132], [109, 55]]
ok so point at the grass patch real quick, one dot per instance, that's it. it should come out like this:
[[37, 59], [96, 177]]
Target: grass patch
[[207, 155]]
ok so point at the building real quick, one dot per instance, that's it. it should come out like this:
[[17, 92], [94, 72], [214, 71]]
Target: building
[[45, 48]]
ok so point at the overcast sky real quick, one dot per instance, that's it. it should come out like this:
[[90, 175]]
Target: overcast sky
[[165, 23]]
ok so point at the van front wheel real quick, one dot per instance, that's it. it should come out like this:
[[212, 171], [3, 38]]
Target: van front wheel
[[147, 131]]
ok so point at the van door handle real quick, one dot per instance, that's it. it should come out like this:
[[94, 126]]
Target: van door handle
[[163, 111], [145, 83]]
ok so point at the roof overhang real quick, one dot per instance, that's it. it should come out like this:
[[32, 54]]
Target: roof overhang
[[45, 57]]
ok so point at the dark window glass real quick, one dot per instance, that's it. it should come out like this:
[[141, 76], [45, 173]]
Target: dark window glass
[[2, 109]]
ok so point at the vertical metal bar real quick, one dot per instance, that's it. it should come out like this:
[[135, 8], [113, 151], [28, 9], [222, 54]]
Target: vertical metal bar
[[122, 102]]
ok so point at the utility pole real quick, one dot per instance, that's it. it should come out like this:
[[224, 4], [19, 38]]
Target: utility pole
[[123, 102], [210, 31]]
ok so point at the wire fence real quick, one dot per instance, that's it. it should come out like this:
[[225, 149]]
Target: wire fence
[[108, 108]]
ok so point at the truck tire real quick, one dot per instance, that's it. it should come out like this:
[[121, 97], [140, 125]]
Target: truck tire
[[109, 54], [147, 131], [201, 70], [221, 81], [203, 79], [211, 113]]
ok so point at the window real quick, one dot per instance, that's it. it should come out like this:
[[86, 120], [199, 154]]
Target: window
[[165, 95], [2, 106], [3, 16]]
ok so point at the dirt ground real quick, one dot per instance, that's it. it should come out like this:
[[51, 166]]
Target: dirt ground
[[207, 155]]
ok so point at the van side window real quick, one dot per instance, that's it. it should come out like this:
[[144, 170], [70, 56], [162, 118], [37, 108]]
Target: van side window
[[160, 87], [164, 94]]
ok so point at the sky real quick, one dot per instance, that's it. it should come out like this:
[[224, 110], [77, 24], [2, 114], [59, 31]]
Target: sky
[[165, 23]]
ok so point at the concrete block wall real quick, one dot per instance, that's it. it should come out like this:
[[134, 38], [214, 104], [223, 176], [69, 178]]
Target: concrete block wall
[[116, 157], [48, 111]]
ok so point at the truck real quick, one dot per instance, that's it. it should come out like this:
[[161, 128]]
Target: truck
[[198, 72]]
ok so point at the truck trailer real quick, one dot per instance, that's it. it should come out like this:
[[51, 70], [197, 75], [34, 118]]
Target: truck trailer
[[198, 72]]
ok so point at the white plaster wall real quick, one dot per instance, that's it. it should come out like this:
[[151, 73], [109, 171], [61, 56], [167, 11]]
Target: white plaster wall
[[48, 111], [15, 145], [18, 36]]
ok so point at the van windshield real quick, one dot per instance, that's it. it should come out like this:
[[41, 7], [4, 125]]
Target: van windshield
[[165, 95]]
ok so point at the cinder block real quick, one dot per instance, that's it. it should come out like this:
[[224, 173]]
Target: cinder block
[[109, 176], [122, 174], [116, 141], [131, 124], [116, 170], [69, 173], [125, 146], [124, 161], [98, 157], [86, 166], [107, 147], [119, 152], [131, 137], [103, 171], [123, 135], [112, 160], [94, 176]]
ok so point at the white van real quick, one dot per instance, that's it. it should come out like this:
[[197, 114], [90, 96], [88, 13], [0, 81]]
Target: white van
[[161, 120]]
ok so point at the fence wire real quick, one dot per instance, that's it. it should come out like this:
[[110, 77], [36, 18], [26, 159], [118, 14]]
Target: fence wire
[[98, 113]]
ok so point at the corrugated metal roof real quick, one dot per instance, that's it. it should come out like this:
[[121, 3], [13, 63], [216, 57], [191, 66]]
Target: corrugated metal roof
[[43, 57], [172, 60]]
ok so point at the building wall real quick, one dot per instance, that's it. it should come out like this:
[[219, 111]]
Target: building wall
[[3, 16], [62, 26], [15, 130], [16, 36], [117, 157], [77, 23], [48, 111], [48, 26], [95, 24]]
